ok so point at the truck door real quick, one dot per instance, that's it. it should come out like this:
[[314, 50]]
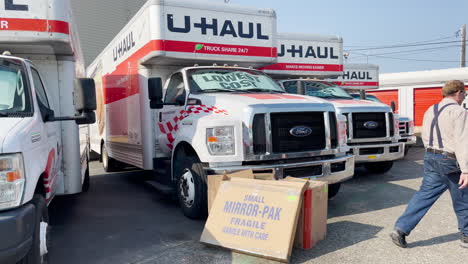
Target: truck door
[[169, 116], [49, 133]]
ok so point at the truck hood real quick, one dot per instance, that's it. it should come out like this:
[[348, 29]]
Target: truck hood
[[347, 106], [7, 126], [238, 102]]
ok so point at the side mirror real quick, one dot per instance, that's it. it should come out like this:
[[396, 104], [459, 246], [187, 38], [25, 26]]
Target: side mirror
[[300, 88], [393, 106], [155, 93], [49, 115], [88, 118], [85, 95], [362, 94]]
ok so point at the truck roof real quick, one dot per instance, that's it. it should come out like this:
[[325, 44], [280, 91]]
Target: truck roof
[[38, 27], [182, 33], [307, 55]]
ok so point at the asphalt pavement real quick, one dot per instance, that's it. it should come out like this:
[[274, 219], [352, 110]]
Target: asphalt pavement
[[123, 220]]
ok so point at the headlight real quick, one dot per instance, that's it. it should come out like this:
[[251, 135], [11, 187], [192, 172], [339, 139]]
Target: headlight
[[411, 127], [220, 140], [396, 124], [11, 180], [342, 128]]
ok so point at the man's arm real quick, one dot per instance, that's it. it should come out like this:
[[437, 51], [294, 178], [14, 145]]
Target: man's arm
[[461, 145]]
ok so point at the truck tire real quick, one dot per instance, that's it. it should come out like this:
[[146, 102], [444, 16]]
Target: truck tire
[[86, 181], [190, 187], [379, 167], [109, 164], [406, 150], [38, 252], [333, 189]]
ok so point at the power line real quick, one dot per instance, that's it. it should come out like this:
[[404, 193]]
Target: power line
[[423, 41], [406, 51], [408, 45], [408, 59]]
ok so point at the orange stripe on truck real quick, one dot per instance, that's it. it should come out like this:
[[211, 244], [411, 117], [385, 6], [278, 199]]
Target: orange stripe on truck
[[35, 25]]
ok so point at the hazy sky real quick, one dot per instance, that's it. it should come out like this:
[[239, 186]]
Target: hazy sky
[[377, 23]]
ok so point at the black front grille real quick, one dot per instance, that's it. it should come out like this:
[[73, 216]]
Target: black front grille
[[391, 123], [333, 130], [259, 134], [302, 172], [361, 120], [370, 151], [404, 128], [282, 138]]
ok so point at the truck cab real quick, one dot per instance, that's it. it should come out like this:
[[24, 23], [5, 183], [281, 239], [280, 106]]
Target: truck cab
[[373, 129], [214, 120], [405, 124], [44, 111]]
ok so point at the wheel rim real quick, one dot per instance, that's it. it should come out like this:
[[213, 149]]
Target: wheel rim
[[187, 188], [43, 236]]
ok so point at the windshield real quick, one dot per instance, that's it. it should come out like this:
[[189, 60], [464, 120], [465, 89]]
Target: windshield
[[369, 97], [372, 98], [14, 92], [231, 80], [319, 89], [325, 90]]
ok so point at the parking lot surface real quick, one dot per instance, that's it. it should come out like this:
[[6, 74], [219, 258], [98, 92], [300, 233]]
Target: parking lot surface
[[123, 220]]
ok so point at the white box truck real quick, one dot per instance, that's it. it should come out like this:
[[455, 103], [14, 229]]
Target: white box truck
[[358, 79], [372, 127], [43, 152], [212, 119]]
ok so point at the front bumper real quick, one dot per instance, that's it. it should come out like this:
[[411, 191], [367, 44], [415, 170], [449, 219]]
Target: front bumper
[[16, 229], [331, 170], [408, 140], [378, 152]]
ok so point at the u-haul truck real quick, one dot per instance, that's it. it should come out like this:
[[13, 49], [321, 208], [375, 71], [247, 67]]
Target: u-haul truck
[[212, 119], [372, 127], [358, 79], [43, 152]]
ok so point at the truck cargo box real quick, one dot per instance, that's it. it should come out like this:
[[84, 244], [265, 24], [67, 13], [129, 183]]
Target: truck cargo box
[[307, 55], [358, 76], [183, 33], [37, 27]]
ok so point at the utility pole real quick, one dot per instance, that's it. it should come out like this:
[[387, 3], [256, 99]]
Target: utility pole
[[463, 46]]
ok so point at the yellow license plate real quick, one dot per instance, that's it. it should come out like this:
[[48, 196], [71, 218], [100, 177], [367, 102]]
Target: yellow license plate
[[372, 157]]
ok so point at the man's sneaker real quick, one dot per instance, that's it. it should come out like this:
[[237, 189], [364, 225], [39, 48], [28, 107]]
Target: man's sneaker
[[464, 241], [398, 238]]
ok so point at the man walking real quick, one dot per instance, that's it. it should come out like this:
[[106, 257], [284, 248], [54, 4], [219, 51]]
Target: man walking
[[445, 137]]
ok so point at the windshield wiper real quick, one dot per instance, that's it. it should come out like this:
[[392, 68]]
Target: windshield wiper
[[261, 90], [333, 96], [214, 90]]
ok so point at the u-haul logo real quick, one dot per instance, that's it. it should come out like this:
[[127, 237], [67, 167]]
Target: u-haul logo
[[357, 75], [218, 27], [124, 46], [307, 52], [11, 5]]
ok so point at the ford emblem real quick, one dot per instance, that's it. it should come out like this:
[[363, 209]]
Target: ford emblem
[[300, 131], [371, 125]]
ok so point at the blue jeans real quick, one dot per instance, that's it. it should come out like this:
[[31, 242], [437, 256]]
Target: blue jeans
[[440, 173]]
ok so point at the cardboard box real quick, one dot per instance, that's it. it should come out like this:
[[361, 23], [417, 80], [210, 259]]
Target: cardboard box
[[256, 217], [312, 223], [214, 181]]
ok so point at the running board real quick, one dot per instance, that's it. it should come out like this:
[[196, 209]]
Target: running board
[[165, 189]]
